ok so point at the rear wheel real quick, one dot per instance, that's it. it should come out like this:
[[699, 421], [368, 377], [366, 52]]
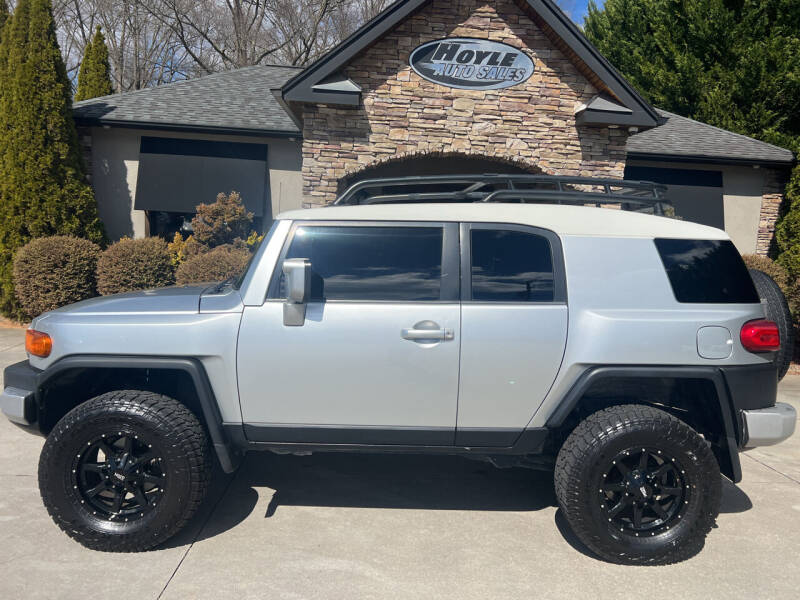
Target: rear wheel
[[638, 486], [124, 471], [776, 309]]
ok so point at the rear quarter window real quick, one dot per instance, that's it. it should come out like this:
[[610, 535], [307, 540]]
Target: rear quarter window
[[706, 271]]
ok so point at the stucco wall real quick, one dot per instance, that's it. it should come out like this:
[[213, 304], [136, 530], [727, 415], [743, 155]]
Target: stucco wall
[[115, 166], [402, 114], [750, 201]]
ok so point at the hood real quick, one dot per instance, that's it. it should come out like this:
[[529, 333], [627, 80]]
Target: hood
[[184, 299]]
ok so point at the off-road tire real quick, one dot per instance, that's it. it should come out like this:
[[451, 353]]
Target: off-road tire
[[584, 458], [174, 435], [776, 309]]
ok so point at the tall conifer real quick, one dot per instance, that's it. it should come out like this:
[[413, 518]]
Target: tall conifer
[[4, 14], [94, 79], [42, 180]]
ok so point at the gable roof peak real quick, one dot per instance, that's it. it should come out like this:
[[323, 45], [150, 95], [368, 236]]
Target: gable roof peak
[[309, 85]]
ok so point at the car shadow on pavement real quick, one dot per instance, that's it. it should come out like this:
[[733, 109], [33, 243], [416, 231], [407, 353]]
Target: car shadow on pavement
[[364, 480], [384, 481], [400, 481]]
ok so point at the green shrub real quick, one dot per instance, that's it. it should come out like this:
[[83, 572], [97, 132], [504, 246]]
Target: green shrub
[[50, 272], [787, 283], [787, 229], [215, 265], [134, 265], [222, 222]]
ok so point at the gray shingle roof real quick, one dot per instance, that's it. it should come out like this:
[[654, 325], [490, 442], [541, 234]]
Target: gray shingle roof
[[243, 101], [684, 138], [240, 100]]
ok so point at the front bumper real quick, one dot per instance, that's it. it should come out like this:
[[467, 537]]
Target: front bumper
[[18, 400], [18, 405], [768, 426]]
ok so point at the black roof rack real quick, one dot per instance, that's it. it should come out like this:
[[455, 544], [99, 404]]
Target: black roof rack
[[641, 196]]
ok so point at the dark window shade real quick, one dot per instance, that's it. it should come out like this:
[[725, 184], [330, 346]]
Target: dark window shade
[[186, 147], [706, 271], [402, 264], [175, 175], [693, 177]]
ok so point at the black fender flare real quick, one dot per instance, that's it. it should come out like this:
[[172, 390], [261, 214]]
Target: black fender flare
[[728, 456], [229, 456]]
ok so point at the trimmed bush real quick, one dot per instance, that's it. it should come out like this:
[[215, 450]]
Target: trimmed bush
[[222, 222], [129, 265], [216, 265], [785, 281], [54, 271]]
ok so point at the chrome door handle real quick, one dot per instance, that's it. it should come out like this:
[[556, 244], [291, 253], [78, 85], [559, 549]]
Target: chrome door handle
[[425, 331]]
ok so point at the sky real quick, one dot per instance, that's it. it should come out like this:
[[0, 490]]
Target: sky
[[576, 9]]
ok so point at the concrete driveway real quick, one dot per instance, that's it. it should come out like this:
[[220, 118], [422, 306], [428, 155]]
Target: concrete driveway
[[341, 526]]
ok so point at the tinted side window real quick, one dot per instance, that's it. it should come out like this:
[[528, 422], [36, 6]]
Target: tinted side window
[[511, 266], [371, 263], [706, 271]]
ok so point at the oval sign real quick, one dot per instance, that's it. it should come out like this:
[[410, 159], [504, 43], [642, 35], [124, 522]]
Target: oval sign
[[471, 64]]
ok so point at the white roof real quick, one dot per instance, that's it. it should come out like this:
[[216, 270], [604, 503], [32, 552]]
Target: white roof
[[563, 220]]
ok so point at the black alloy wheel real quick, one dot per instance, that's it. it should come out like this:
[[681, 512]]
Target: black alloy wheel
[[638, 485], [643, 492], [120, 476], [125, 471]]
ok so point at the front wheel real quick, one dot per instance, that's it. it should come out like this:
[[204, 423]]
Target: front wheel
[[124, 471], [638, 486]]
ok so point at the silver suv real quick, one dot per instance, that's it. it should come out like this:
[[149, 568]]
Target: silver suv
[[629, 353]]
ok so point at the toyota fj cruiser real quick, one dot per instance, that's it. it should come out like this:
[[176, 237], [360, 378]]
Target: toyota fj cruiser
[[472, 315]]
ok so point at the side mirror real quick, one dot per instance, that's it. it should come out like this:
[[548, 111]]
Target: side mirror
[[298, 290]]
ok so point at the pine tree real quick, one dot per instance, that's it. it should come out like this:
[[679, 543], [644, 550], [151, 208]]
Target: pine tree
[[730, 63], [84, 73], [94, 78], [42, 179], [4, 14]]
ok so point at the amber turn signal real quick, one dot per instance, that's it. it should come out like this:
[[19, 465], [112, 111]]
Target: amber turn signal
[[38, 343]]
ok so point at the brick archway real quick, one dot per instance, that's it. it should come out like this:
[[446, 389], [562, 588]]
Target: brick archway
[[436, 163]]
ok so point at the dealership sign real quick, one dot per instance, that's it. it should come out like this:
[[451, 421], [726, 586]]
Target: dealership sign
[[470, 64]]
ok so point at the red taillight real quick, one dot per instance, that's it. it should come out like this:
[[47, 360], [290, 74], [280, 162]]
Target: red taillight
[[761, 336]]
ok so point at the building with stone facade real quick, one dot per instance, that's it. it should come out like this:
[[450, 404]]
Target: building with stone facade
[[427, 87]]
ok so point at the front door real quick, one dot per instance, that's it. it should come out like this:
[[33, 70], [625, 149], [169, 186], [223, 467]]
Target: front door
[[376, 360]]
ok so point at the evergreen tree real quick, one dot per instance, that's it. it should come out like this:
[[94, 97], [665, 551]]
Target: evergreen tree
[[94, 78], [4, 14], [84, 73], [730, 63], [42, 180]]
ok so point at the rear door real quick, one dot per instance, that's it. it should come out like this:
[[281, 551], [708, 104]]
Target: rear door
[[513, 329], [376, 361]]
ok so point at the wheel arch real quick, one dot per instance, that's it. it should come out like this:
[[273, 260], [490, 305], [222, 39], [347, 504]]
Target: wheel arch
[[697, 395], [75, 379]]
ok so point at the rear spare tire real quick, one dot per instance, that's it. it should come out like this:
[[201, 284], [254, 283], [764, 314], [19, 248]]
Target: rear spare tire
[[776, 309]]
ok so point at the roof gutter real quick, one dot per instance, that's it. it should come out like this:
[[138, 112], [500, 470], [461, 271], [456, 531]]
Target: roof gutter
[[178, 127], [712, 160]]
